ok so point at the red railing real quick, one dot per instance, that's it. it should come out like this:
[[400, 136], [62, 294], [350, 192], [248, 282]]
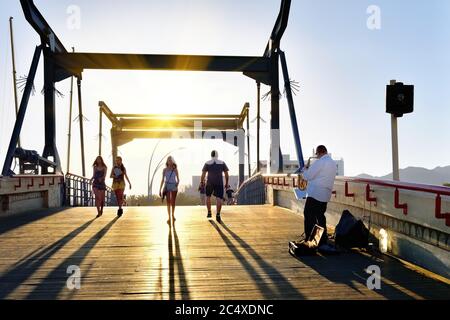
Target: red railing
[[439, 191], [41, 179]]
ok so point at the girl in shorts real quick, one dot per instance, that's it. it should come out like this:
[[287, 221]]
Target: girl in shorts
[[119, 174]]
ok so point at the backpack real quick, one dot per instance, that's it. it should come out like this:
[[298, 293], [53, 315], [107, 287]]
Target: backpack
[[351, 232]]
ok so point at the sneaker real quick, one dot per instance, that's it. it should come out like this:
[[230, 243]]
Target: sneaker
[[218, 218], [209, 215], [120, 212]]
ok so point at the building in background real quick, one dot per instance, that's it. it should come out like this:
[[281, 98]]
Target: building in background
[[193, 188]]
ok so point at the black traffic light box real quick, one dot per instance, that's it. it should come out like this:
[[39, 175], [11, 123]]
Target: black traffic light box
[[399, 99]]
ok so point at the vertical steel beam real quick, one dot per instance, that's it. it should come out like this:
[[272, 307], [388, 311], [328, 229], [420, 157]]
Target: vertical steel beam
[[81, 119], [22, 111], [258, 128], [287, 85], [69, 136], [114, 151], [100, 131], [241, 163], [248, 142], [50, 149], [275, 116], [238, 140]]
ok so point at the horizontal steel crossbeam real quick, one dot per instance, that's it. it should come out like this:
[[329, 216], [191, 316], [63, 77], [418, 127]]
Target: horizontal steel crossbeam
[[77, 62], [173, 124]]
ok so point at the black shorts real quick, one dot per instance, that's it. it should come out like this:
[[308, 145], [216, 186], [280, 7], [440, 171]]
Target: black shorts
[[215, 190]]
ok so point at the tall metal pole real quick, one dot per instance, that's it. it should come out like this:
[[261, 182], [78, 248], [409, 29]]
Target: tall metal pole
[[248, 143], [69, 135], [100, 131], [258, 127], [394, 136], [81, 119], [13, 55], [149, 191]]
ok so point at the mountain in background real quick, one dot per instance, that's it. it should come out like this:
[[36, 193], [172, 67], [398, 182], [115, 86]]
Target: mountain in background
[[436, 176]]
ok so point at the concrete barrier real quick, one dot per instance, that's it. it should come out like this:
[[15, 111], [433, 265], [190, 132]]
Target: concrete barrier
[[418, 231], [23, 193]]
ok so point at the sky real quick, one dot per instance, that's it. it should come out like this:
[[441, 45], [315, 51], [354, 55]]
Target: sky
[[341, 64]]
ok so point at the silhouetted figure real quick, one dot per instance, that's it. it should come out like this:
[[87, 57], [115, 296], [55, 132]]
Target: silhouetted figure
[[119, 174], [320, 176], [98, 184], [170, 181], [214, 170]]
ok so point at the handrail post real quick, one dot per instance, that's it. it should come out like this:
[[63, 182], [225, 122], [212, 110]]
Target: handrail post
[[397, 203]]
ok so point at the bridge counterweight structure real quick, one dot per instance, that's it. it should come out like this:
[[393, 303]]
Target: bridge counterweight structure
[[59, 64], [127, 127]]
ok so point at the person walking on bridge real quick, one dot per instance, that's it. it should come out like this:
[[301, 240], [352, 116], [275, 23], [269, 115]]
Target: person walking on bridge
[[320, 176], [214, 170], [98, 184], [119, 174], [170, 180]]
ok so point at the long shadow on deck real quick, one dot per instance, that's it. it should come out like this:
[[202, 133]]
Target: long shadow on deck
[[55, 281], [283, 286], [402, 283], [15, 221], [28, 265], [178, 259]]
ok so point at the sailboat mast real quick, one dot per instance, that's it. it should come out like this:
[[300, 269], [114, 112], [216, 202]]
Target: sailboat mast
[[16, 99], [69, 136]]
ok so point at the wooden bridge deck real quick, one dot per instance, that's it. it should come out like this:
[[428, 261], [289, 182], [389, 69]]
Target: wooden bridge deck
[[140, 257]]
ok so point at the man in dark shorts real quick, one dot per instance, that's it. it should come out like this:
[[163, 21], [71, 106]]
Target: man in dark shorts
[[215, 169]]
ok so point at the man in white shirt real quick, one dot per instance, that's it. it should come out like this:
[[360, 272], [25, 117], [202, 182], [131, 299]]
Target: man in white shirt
[[320, 176]]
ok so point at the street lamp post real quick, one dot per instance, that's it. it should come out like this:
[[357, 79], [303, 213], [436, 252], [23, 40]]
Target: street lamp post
[[149, 168]]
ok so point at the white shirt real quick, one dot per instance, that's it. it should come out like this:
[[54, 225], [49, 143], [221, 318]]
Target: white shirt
[[320, 177]]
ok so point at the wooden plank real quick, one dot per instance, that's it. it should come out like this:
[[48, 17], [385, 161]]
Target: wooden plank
[[140, 257]]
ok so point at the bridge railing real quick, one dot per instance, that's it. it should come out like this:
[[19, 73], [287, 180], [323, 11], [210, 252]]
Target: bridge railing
[[78, 192], [415, 217], [395, 186], [252, 191], [23, 193]]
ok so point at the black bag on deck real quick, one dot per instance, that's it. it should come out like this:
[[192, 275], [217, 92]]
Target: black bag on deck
[[350, 232]]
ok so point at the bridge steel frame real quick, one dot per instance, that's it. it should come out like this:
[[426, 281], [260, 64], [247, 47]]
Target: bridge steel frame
[[127, 127], [59, 64]]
